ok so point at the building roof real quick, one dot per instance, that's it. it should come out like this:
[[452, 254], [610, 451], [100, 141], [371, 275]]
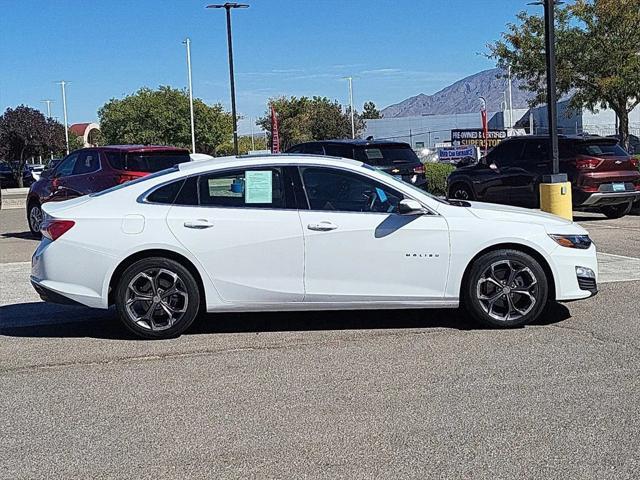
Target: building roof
[[79, 128]]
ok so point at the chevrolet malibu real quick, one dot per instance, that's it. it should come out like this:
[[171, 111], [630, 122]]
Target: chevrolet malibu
[[298, 232]]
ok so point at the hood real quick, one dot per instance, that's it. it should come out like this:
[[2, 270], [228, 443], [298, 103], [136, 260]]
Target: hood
[[53, 208], [493, 211]]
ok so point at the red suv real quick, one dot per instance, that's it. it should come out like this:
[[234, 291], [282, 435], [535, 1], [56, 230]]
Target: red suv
[[604, 177], [91, 170]]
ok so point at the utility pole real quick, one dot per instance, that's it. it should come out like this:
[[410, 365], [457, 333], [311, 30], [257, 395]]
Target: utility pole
[[228, 6], [48, 103], [62, 84], [253, 142], [510, 99], [187, 42], [353, 123], [555, 190]]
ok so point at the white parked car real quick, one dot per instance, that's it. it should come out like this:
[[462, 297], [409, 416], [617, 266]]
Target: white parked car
[[297, 232]]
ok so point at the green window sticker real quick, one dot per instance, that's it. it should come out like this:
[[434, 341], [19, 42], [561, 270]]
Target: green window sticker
[[258, 187]]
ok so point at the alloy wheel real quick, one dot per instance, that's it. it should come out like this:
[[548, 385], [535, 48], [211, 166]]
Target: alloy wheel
[[461, 194], [507, 290], [156, 299], [35, 218]]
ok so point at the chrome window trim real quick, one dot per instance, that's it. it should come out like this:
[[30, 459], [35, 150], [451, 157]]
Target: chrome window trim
[[142, 198]]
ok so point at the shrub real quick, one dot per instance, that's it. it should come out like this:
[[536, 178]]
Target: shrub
[[437, 174]]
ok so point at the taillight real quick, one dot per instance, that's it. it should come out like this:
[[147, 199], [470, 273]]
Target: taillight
[[588, 163], [54, 229], [633, 161], [418, 169]]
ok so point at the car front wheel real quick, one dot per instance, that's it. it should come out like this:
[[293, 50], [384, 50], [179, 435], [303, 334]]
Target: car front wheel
[[460, 191], [616, 211], [34, 217], [157, 298], [505, 288]]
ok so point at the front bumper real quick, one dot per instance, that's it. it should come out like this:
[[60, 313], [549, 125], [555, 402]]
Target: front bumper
[[568, 285]]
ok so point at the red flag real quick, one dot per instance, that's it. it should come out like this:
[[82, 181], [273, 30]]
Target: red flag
[[275, 136], [485, 129]]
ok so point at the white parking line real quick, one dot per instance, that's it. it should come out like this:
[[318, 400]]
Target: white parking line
[[617, 268]]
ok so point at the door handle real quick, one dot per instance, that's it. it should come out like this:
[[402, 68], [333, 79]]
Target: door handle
[[322, 226], [199, 224]]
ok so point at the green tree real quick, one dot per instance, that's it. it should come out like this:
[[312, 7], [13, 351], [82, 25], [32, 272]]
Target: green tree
[[370, 111], [244, 144], [162, 117], [597, 44], [304, 119], [25, 133]]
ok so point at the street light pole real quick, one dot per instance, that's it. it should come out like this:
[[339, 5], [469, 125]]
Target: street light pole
[[187, 42], [228, 6], [64, 111], [353, 124], [550, 48], [48, 103], [510, 100]]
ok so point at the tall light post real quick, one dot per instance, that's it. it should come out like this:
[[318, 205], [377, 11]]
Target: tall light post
[[555, 190], [48, 103], [187, 42], [62, 84], [228, 6], [510, 98], [353, 123]]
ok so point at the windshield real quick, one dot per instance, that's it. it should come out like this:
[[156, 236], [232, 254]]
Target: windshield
[[146, 162], [136, 181], [386, 155]]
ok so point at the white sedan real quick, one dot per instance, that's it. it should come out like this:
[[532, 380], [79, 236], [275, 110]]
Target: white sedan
[[295, 232]]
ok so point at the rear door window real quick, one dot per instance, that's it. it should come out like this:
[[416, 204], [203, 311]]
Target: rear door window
[[535, 151], [251, 188], [508, 154]]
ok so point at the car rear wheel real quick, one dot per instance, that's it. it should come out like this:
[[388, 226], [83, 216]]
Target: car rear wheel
[[616, 211], [157, 298], [34, 218], [505, 288], [460, 191]]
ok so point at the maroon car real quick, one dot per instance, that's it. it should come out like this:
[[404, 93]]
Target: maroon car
[[91, 170]]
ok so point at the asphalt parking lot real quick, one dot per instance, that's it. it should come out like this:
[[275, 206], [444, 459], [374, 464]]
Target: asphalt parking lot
[[389, 394]]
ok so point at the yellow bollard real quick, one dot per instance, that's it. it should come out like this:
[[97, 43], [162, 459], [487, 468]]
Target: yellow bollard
[[556, 198]]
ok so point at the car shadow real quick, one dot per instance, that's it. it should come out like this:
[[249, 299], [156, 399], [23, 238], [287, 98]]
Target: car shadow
[[22, 235], [44, 320]]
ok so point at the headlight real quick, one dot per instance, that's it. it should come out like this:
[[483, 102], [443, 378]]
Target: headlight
[[573, 241]]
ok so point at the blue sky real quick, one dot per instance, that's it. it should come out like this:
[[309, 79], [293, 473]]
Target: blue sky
[[106, 49]]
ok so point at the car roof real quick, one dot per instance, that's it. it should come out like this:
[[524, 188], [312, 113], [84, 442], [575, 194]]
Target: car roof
[[575, 138], [275, 159], [356, 141], [142, 148]]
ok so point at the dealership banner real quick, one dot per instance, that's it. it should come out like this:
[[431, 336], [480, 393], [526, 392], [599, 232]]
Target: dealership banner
[[453, 154], [474, 136]]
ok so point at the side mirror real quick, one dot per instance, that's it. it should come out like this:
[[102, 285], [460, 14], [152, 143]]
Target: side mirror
[[410, 207]]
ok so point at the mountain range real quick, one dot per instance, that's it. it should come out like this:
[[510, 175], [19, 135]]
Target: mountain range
[[462, 97]]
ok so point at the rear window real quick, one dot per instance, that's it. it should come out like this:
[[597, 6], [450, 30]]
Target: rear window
[[146, 162], [384, 155], [600, 149]]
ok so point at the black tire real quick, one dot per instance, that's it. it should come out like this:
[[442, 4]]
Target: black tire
[[616, 211], [34, 210], [461, 191], [478, 291], [185, 304]]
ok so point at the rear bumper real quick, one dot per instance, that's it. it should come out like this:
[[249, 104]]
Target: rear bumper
[[51, 296], [609, 198]]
